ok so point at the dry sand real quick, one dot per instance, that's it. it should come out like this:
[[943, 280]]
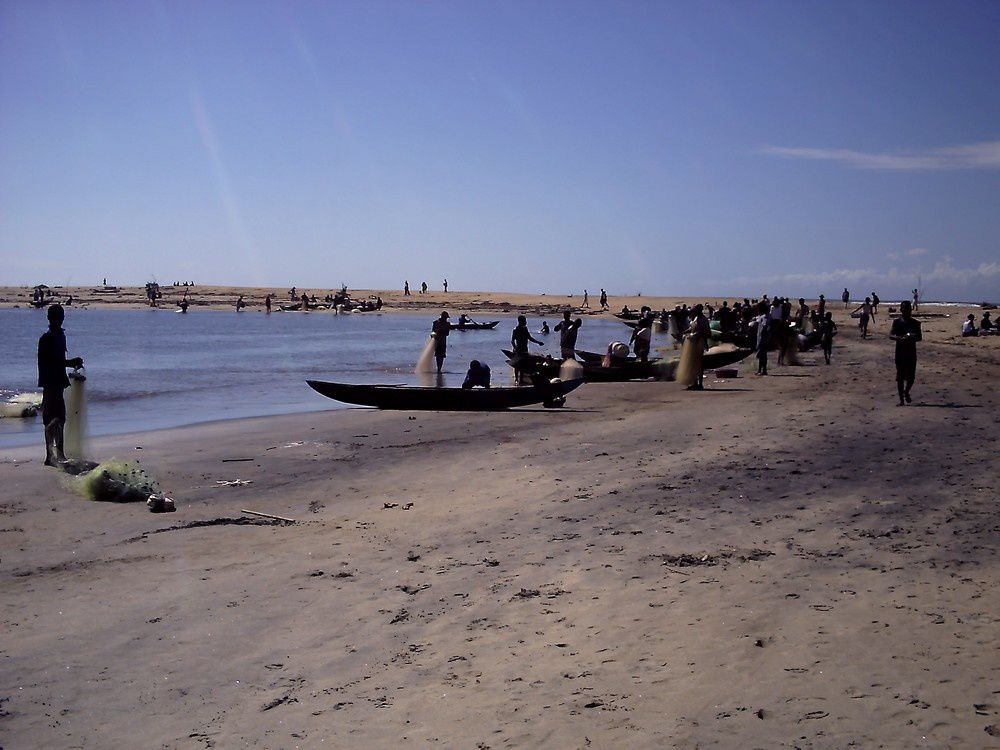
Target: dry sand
[[789, 561]]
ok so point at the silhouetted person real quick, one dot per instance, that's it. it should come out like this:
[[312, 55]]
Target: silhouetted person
[[423, 287], [906, 333], [916, 301], [52, 379], [441, 329], [267, 304], [827, 328], [969, 326], [478, 375], [520, 337], [446, 286], [240, 304], [604, 300], [568, 330], [406, 288], [586, 299], [846, 296]]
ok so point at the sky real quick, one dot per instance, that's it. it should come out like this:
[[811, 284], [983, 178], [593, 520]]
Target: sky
[[701, 148]]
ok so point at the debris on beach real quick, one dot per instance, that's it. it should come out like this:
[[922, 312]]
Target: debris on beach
[[234, 482], [160, 503], [21, 406]]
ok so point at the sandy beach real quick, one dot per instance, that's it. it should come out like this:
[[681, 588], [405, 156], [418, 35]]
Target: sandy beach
[[789, 561]]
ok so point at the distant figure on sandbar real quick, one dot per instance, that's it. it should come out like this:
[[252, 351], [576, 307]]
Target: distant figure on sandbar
[[291, 293], [604, 300], [916, 301], [240, 304], [441, 329], [568, 330], [906, 333], [406, 288], [846, 296], [446, 286], [183, 304], [305, 302], [875, 301], [267, 304], [423, 287], [478, 375], [52, 379], [586, 299]]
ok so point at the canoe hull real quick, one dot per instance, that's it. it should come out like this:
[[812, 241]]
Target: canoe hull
[[412, 398]]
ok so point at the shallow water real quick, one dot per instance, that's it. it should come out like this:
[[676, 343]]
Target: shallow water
[[151, 369]]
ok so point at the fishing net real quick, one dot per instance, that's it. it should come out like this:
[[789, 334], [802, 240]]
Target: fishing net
[[21, 406], [75, 431], [689, 367], [426, 361], [116, 482]]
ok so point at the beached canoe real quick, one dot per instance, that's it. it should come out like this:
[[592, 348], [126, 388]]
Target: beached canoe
[[629, 369], [628, 316], [475, 326], [406, 397]]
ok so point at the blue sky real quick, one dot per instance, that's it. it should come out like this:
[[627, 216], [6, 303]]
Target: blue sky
[[668, 147]]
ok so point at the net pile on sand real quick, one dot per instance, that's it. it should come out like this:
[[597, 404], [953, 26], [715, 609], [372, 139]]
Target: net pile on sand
[[116, 481], [21, 406]]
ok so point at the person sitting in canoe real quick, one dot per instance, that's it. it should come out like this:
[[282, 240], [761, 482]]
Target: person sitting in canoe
[[464, 319], [478, 375]]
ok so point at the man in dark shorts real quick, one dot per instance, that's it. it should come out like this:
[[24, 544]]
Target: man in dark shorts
[[441, 329], [906, 333], [52, 364], [568, 330]]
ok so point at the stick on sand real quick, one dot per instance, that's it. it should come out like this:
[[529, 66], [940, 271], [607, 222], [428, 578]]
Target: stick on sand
[[267, 515]]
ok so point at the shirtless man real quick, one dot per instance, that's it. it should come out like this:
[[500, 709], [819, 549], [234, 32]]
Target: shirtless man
[[906, 333], [52, 379]]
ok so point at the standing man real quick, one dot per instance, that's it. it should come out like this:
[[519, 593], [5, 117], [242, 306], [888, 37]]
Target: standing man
[[604, 300], [586, 299], [866, 314], [827, 329], [906, 333], [763, 338], [52, 364], [846, 296], [441, 329], [521, 336], [568, 329], [406, 288], [642, 336], [267, 304], [446, 286], [916, 301]]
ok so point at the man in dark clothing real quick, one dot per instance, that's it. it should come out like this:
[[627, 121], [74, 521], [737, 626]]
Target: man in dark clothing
[[441, 329], [568, 329], [52, 364], [521, 336], [604, 300], [478, 375], [906, 333]]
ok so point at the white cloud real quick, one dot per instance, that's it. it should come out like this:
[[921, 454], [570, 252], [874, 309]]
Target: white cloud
[[943, 273], [983, 155]]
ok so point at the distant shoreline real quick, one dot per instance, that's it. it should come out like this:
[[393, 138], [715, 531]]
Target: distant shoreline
[[224, 298]]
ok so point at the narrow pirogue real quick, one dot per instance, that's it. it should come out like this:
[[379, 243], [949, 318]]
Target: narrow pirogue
[[406, 397]]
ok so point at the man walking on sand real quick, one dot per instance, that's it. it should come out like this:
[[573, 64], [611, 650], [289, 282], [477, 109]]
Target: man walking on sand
[[604, 300], [52, 379], [906, 333]]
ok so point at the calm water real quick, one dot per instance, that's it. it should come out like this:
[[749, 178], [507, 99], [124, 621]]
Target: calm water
[[153, 369]]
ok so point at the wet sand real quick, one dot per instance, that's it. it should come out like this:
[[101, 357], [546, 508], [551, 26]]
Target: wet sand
[[789, 561]]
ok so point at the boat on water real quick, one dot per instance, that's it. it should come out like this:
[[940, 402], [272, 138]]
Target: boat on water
[[475, 326], [405, 397]]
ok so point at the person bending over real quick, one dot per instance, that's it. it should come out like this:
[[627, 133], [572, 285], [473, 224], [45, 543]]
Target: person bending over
[[478, 375]]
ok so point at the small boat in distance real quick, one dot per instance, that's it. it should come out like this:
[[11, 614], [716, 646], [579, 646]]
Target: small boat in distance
[[475, 326], [406, 397]]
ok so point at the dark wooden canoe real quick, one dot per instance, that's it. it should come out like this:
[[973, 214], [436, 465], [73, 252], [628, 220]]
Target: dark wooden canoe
[[628, 316], [475, 326], [406, 397], [630, 369]]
